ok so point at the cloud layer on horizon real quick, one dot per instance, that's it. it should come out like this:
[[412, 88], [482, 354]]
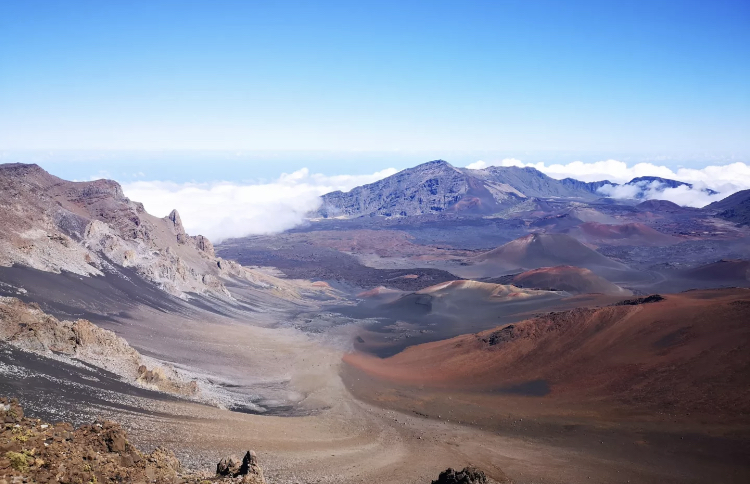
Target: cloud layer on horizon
[[724, 179], [222, 210]]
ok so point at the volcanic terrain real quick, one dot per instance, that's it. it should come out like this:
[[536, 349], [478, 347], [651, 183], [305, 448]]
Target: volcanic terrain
[[440, 317]]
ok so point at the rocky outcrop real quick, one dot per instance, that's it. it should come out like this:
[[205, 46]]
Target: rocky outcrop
[[641, 300], [469, 475], [27, 327], [35, 451], [205, 245], [89, 228], [248, 470], [175, 224]]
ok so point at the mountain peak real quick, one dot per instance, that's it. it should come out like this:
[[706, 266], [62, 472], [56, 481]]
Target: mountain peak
[[26, 170], [174, 217], [437, 162], [21, 167], [441, 165], [175, 224], [664, 181], [438, 187]]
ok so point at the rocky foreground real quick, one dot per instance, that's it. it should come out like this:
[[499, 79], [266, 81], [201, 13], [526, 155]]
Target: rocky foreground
[[33, 451]]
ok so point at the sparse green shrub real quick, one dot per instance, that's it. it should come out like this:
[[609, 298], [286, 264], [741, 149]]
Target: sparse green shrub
[[19, 461]]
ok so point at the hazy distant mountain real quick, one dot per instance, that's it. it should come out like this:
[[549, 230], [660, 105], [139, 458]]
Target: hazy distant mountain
[[592, 187], [735, 208], [667, 182], [655, 205], [437, 187], [646, 184]]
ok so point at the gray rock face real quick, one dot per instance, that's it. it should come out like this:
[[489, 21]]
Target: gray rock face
[[437, 187], [27, 327], [205, 245], [428, 188], [175, 223], [531, 182], [56, 225]]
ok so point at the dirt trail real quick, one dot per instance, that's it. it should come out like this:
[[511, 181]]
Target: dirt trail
[[356, 442]]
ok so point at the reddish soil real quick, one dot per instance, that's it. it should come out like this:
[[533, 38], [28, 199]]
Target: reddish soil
[[574, 280], [723, 270], [545, 250], [624, 234], [685, 355]]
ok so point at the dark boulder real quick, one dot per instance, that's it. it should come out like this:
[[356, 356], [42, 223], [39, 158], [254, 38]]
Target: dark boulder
[[228, 466], [469, 475], [249, 468]]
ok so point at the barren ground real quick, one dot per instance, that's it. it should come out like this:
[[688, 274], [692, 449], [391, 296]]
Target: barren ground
[[358, 429]]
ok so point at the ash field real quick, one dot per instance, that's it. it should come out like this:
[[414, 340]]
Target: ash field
[[441, 317]]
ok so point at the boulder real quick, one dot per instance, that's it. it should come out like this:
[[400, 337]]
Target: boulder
[[469, 475], [228, 466], [114, 437], [249, 469]]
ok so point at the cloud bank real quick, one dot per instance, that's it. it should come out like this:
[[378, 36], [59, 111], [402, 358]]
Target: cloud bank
[[724, 179], [222, 210]]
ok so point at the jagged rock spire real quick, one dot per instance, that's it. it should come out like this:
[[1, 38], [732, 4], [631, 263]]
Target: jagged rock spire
[[176, 225]]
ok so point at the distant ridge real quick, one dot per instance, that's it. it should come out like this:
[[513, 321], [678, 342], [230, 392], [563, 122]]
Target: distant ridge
[[592, 187], [735, 208], [645, 183], [438, 187], [656, 205]]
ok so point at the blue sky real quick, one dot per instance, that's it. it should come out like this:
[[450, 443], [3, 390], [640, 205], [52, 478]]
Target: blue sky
[[203, 105], [409, 80]]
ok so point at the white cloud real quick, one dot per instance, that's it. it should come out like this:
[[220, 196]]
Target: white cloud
[[222, 210], [681, 195], [620, 191], [724, 179]]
